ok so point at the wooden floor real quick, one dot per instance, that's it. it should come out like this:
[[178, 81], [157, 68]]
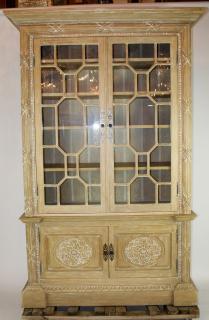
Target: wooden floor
[[111, 313]]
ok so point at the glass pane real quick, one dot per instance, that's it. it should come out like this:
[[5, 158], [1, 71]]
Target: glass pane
[[91, 51], [88, 80], [94, 195], [164, 115], [69, 67], [161, 156], [142, 163], [124, 175], [160, 78], [119, 115], [71, 140], [70, 83], [90, 176], [71, 166], [120, 136], [89, 100], [50, 100], [90, 157], [141, 82], [124, 159], [164, 135], [49, 137], [164, 194], [161, 175], [142, 111], [93, 115], [53, 158], [124, 156], [142, 139], [121, 195], [53, 177], [47, 54], [122, 99], [141, 50], [50, 194], [93, 135], [48, 117], [163, 50], [141, 65], [69, 52], [119, 51], [51, 80], [89, 163], [72, 192], [161, 97], [123, 79], [142, 191], [70, 113]]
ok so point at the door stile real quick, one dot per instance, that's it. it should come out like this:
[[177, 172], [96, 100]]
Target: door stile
[[110, 133]]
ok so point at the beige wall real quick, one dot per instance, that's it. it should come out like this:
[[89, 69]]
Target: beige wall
[[12, 237]]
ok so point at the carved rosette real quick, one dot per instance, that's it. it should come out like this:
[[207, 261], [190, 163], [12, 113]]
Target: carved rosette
[[73, 252], [144, 251]]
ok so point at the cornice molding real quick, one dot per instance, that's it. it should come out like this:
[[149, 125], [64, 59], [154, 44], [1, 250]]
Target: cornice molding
[[128, 13]]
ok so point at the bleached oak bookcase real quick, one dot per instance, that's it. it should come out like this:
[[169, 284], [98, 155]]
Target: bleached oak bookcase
[[106, 114]]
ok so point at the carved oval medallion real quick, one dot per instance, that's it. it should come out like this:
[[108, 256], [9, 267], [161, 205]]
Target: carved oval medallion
[[144, 251], [73, 252]]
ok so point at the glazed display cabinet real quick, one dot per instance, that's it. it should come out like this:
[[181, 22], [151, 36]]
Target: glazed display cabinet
[[106, 114]]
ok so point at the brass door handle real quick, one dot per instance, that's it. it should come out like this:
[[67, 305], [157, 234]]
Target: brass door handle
[[108, 252], [111, 252], [105, 252]]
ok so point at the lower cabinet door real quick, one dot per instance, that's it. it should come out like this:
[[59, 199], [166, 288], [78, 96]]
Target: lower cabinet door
[[143, 251], [72, 252]]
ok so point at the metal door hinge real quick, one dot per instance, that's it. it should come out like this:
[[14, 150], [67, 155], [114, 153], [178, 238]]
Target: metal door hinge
[[177, 266], [33, 60]]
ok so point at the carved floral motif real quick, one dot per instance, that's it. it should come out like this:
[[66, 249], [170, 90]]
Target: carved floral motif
[[144, 251], [73, 252]]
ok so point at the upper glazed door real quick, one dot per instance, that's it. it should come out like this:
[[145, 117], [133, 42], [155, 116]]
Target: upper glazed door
[[142, 114], [69, 109]]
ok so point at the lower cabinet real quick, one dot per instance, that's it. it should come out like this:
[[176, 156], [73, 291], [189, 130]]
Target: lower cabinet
[[115, 250], [71, 251], [143, 251]]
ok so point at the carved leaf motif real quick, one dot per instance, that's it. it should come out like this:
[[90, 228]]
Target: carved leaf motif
[[73, 252], [144, 251]]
